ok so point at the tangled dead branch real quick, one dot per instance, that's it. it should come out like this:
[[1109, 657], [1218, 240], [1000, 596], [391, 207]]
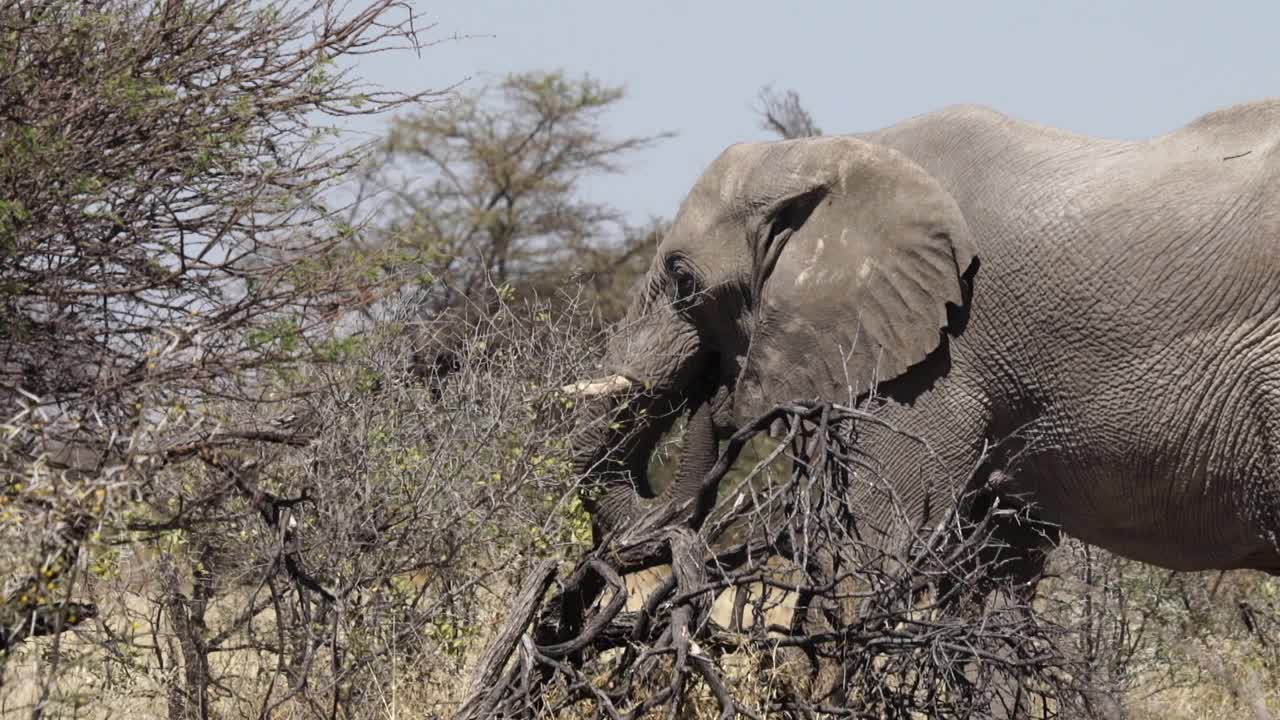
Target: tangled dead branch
[[906, 624]]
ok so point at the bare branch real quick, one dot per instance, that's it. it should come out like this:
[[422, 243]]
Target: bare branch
[[783, 115]]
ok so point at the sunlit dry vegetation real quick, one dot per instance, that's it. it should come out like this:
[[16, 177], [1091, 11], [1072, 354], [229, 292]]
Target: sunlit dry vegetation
[[284, 435]]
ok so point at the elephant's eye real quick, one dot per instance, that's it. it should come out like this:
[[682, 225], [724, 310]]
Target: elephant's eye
[[682, 283]]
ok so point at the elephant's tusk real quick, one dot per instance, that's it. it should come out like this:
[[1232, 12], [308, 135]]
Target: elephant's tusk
[[596, 388]]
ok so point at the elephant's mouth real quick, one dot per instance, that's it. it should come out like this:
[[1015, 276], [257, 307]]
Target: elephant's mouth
[[622, 471], [662, 423]]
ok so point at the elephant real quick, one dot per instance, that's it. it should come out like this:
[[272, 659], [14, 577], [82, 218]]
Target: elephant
[[1105, 313]]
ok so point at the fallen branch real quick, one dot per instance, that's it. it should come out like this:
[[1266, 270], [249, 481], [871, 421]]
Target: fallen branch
[[483, 693]]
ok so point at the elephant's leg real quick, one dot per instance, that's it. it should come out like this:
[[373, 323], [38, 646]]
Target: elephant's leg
[[1012, 553], [1009, 564], [1262, 504], [1014, 559]]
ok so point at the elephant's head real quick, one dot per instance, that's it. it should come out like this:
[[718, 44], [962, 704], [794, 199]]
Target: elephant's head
[[801, 269]]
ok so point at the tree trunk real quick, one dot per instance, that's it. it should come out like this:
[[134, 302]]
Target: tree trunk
[[189, 700]]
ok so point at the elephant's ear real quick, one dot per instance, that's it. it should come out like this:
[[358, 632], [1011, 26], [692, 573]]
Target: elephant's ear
[[859, 265]]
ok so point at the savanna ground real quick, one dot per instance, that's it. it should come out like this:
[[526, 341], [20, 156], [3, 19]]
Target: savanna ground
[[283, 432]]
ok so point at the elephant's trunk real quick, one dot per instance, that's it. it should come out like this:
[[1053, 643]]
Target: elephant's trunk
[[621, 501], [659, 366]]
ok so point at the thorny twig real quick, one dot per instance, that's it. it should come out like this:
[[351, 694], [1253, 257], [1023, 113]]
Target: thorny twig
[[884, 629]]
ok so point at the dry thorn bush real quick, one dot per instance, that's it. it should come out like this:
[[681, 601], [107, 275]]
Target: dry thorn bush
[[354, 573], [888, 626], [783, 600]]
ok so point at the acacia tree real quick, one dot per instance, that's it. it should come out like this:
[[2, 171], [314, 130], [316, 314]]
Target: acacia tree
[[169, 257], [486, 192]]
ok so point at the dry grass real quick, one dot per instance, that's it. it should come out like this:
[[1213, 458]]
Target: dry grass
[[1216, 669]]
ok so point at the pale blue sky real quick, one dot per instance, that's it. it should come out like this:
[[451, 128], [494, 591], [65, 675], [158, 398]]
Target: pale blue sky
[[1106, 67]]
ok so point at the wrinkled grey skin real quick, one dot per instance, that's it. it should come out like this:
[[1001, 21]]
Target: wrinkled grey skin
[[1115, 303]]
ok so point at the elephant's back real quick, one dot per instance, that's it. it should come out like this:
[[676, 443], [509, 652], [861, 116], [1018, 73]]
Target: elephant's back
[[1126, 320], [1245, 127], [1133, 263], [1114, 242]]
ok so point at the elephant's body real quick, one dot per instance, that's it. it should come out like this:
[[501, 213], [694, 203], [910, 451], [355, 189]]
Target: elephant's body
[[1125, 323], [1106, 313]]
